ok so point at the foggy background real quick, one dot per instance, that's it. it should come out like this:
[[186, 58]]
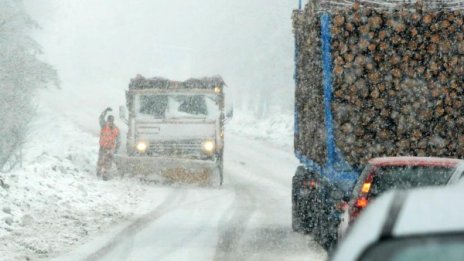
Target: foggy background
[[98, 45]]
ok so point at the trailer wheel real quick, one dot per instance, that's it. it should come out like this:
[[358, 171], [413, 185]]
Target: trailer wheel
[[296, 220]]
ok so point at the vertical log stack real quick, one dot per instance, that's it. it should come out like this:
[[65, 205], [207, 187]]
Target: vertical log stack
[[309, 101], [398, 82]]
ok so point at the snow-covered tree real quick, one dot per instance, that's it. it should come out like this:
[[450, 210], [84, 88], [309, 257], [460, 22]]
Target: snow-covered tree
[[21, 74]]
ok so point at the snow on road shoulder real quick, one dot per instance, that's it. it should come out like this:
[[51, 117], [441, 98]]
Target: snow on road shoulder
[[55, 201], [276, 129]]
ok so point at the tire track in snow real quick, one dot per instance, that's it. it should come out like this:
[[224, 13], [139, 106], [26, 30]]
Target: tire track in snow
[[241, 158], [139, 224], [191, 234], [233, 227], [271, 237]]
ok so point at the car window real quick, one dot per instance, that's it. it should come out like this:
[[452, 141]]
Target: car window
[[404, 177], [424, 248]]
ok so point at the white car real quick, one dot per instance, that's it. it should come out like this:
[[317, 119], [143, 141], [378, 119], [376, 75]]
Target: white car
[[421, 224]]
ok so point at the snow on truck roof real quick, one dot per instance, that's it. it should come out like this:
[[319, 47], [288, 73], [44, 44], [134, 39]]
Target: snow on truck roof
[[415, 161], [140, 82]]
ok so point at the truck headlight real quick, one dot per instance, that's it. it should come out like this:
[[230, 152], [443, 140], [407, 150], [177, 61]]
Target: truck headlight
[[141, 146], [208, 146]]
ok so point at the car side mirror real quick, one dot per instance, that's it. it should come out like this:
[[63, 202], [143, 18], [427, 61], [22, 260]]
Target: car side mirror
[[123, 114]]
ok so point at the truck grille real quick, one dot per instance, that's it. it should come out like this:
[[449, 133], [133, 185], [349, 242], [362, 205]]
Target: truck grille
[[180, 148]]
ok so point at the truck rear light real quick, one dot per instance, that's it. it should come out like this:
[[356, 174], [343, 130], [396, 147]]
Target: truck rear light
[[312, 184], [361, 202]]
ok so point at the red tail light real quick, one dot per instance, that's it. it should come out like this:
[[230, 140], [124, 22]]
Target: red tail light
[[361, 202], [312, 184]]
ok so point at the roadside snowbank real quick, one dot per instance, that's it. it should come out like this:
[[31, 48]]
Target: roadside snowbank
[[277, 129], [56, 194]]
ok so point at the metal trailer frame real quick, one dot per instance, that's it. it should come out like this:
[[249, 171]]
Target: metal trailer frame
[[336, 170]]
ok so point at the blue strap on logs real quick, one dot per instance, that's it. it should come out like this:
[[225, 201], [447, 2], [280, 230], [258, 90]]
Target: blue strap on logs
[[336, 169], [327, 83]]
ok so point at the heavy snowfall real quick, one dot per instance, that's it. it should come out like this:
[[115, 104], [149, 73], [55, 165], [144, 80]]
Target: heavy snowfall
[[55, 207], [287, 114], [52, 204]]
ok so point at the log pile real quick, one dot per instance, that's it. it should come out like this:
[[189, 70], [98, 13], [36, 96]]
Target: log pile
[[140, 82], [398, 82], [309, 101]]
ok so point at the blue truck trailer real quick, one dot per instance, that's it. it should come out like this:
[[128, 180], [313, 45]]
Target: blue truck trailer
[[372, 78], [317, 189]]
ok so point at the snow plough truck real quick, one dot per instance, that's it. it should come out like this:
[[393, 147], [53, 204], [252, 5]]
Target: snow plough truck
[[175, 130]]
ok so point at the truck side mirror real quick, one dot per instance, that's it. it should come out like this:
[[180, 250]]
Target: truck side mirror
[[123, 114], [230, 113]]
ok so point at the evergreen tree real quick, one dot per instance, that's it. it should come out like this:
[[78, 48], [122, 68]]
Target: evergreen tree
[[21, 74]]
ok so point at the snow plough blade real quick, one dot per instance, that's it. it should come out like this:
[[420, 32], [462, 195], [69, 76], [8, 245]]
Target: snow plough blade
[[167, 170]]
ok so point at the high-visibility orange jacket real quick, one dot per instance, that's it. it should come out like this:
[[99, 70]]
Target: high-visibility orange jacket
[[109, 137]]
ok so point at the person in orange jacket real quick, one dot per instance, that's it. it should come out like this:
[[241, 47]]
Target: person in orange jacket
[[109, 143]]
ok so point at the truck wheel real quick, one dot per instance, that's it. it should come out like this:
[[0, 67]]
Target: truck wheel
[[318, 221], [330, 243], [217, 178], [220, 167], [296, 220], [221, 173]]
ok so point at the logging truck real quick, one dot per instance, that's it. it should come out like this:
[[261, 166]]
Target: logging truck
[[175, 130], [373, 79]]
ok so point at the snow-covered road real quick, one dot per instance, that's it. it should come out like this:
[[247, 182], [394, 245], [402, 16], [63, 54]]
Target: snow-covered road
[[248, 218]]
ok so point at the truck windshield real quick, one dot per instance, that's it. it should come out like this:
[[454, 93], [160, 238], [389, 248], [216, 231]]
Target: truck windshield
[[174, 106]]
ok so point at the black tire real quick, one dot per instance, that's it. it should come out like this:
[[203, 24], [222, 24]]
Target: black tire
[[330, 243], [328, 240], [221, 173], [326, 229], [221, 169], [318, 219], [217, 179], [296, 220]]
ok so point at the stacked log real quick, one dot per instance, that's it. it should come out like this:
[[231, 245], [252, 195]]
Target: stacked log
[[398, 82], [140, 82], [308, 101]]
